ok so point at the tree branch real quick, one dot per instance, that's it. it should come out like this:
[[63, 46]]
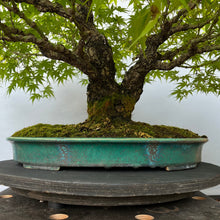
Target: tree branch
[[95, 46], [28, 21], [185, 56], [46, 6], [77, 14], [133, 81], [208, 48], [169, 55], [48, 49], [183, 12], [187, 66], [135, 76], [186, 27]]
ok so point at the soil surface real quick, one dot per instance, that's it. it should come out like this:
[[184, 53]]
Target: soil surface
[[106, 128]]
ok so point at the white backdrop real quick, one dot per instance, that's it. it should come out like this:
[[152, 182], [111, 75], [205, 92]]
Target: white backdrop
[[198, 113]]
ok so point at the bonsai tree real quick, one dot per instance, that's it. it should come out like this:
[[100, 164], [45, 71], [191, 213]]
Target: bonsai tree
[[113, 46]]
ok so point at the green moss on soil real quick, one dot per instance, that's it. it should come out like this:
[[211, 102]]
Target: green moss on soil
[[106, 129]]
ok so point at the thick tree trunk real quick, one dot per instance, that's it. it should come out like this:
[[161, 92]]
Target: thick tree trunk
[[107, 101]]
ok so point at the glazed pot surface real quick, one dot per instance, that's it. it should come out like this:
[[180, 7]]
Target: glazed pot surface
[[53, 153]]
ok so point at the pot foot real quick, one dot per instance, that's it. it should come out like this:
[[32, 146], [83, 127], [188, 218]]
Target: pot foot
[[182, 167], [29, 166]]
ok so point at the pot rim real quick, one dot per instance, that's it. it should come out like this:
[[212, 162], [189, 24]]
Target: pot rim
[[106, 140]]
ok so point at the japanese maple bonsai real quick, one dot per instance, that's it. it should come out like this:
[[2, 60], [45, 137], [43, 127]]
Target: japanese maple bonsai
[[116, 47]]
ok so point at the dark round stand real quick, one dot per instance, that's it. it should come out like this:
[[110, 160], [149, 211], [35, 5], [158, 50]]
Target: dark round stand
[[113, 187]]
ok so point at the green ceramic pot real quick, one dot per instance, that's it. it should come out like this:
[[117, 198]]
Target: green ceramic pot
[[53, 153]]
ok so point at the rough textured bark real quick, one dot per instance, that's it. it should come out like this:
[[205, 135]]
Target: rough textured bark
[[107, 101]]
